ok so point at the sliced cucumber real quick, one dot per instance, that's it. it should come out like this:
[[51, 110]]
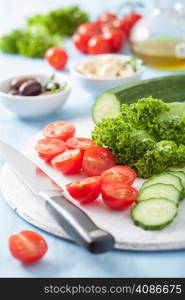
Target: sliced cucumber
[[173, 169], [166, 178], [179, 174], [160, 190], [154, 214], [107, 105]]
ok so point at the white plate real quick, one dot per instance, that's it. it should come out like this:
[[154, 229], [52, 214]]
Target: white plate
[[119, 224]]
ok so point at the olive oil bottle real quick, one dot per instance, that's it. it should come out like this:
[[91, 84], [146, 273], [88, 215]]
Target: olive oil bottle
[[159, 38]]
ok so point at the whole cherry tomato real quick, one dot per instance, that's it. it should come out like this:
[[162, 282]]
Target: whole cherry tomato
[[56, 57], [98, 45], [116, 39]]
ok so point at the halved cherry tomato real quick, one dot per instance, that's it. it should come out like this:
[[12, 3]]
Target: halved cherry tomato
[[128, 22], [85, 190], [56, 57], [116, 39], [96, 160], [27, 246], [98, 45], [69, 162], [80, 41], [118, 195], [59, 130], [120, 174], [79, 143], [48, 148], [107, 17]]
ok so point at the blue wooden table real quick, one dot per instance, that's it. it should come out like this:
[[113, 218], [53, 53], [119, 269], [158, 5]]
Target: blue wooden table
[[64, 259]]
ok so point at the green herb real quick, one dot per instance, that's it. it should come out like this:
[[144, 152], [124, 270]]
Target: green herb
[[148, 136], [133, 63]]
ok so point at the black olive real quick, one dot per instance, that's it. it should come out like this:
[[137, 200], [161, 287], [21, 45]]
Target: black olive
[[30, 88], [52, 86], [13, 92], [17, 82]]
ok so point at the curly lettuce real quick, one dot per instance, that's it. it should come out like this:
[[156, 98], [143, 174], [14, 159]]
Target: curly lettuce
[[147, 136]]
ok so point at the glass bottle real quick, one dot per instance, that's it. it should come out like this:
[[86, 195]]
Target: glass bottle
[[159, 38]]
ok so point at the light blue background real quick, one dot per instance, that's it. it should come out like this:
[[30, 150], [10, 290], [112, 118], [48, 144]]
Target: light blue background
[[64, 259]]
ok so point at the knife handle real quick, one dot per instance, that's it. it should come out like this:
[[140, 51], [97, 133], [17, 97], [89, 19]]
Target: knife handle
[[77, 224]]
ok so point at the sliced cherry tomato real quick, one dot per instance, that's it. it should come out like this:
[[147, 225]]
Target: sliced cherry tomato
[[59, 129], [80, 41], [118, 195], [48, 148], [98, 45], [96, 160], [27, 246], [128, 22], [56, 57], [89, 29], [85, 190], [79, 143], [69, 162], [120, 174], [116, 39]]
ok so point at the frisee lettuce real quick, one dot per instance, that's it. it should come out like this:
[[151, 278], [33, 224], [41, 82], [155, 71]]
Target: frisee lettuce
[[148, 136]]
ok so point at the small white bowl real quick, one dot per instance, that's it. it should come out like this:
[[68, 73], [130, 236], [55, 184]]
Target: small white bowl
[[98, 85], [34, 107]]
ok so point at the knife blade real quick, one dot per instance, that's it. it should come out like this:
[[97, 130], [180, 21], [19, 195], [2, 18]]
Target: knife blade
[[70, 217]]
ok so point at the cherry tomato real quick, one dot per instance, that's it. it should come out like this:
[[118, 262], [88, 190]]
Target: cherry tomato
[[89, 29], [116, 39], [96, 160], [69, 162], [80, 41], [27, 246], [118, 195], [85, 190], [59, 129], [48, 148], [56, 57], [107, 17], [128, 22], [98, 45], [120, 174], [79, 143]]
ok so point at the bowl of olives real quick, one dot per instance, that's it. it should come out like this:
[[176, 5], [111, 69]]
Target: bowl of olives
[[34, 96]]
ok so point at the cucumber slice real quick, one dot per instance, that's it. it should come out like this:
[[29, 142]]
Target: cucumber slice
[[154, 214], [179, 174], [160, 190], [173, 169], [166, 178], [106, 105]]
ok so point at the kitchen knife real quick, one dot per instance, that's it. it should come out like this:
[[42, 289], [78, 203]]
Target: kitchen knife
[[70, 217]]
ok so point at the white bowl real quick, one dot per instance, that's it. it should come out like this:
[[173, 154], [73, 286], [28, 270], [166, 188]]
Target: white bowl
[[34, 107], [98, 85]]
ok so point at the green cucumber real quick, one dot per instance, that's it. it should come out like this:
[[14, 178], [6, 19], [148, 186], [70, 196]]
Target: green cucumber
[[179, 174], [160, 190], [166, 178], [174, 169], [154, 214], [167, 88]]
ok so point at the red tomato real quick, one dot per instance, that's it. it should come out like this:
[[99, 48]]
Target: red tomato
[[128, 22], [85, 190], [96, 160], [80, 41], [56, 57], [107, 17], [89, 29], [27, 246], [116, 39], [98, 45], [59, 129], [118, 195], [48, 148], [120, 174], [69, 162], [79, 143]]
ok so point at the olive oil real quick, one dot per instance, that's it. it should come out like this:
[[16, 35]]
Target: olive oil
[[161, 53]]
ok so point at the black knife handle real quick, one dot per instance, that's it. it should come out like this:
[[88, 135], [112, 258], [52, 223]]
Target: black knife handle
[[77, 224]]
